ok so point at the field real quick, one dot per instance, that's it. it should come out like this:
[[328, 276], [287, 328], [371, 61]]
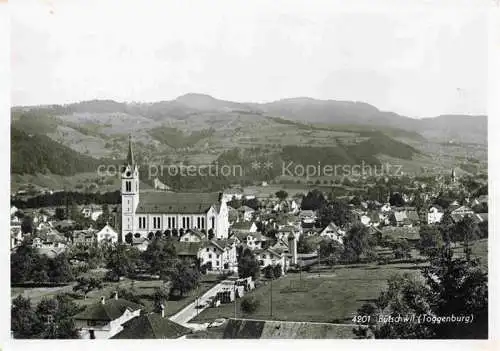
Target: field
[[328, 296]]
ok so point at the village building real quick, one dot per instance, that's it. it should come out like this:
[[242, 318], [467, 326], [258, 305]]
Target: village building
[[107, 234], [246, 213], [271, 257], [435, 214], [332, 232], [104, 319]]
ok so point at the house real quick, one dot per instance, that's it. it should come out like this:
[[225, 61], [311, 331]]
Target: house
[[140, 243], [307, 216], [192, 236], [16, 237], [104, 319], [13, 210], [365, 220], [332, 232], [144, 212], [286, 230], [254, 240], [411, 234], [107, 233], [399, 218], [246, 212], [84, 237], [92, 212], [271, 257], [386, 208], [218, 255], [458, 212], [152, 326], [434, 214], [188, 251], [247, 226]]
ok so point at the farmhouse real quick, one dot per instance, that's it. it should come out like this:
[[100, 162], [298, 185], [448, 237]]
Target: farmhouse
[[104, 319]]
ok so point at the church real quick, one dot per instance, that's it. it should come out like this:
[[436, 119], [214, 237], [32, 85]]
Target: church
[[148, 212]]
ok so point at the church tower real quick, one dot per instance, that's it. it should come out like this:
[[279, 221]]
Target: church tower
[[129, 192], [453, 176]]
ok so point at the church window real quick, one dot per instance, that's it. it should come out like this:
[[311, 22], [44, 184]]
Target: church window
[[183, 222], [187, 223], [128, 186], [142, 222], [156, 222], [202, 222], [198, 222], [213, 222]]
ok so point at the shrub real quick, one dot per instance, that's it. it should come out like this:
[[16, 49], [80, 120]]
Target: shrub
[[249, 304]]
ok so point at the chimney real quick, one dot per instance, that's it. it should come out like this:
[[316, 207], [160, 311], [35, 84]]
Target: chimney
[[103, 300], [162, 310], [116, 295]]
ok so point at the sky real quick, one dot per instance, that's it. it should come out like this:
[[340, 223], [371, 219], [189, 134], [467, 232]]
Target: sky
[[419, 61]]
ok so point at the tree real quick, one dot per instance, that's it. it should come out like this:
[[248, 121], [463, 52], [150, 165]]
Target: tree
[[431, 240], [248, 265], [59, 269], [122, 260], [451, 287], [356, 201], [401, 249], [483, 229], [60, 214], [22, 263], [86, 285], [56, 315], [24, 322], [184, 278], [330, 251], [268, 272], [465, 230], [357, 243], [161, 295], [337, 212], [211, 234], [405, 296], [27, 225], [249, 304], [277, 270], [281, 195], [159, 256], [129, 238], [304, 245], [313, 200], [460, 287], [397, 200]]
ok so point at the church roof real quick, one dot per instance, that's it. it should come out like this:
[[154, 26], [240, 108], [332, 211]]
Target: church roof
[[130, 154], [188, 203]]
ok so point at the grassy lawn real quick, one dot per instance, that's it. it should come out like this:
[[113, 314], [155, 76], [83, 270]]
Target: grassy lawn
[[479, 249], [145, 290], [331, 296]]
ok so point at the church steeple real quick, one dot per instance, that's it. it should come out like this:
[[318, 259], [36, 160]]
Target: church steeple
[[130, 154]]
